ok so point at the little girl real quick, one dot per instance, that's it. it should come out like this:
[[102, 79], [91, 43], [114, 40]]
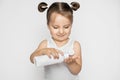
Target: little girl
[[59, 21]]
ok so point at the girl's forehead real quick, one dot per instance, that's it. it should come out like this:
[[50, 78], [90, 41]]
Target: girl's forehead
[[55, 14], [58, 16]]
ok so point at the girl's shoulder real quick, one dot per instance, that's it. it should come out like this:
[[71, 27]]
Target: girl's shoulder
[[43, 44], [43, 41], [73, 43], [76, 42], [76, 45]]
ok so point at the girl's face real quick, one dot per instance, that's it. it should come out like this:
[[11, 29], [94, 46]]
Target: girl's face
[[60, 27]]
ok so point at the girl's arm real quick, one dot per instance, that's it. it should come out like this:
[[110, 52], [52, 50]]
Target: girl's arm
[[43, 50], [38, 51], [74, 63]]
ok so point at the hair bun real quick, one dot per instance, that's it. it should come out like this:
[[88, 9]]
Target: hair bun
[[75, 5], [42, 6]]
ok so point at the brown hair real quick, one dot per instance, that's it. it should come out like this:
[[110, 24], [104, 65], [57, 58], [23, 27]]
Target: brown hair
[[59, 7]]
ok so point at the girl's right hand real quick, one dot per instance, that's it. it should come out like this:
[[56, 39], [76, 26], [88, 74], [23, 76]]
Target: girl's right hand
[[52, 52]]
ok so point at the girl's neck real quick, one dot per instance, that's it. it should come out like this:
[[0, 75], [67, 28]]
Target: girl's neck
[[60, 43]]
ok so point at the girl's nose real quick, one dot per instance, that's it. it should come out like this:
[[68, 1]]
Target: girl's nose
[[61, 31]]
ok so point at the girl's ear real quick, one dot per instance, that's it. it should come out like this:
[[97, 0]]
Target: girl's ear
[[48, 26]]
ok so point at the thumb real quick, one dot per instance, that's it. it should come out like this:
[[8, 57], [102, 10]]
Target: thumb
[[75, 57]]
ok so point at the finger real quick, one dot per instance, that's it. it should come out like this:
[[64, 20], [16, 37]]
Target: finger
[[76, 59], [55, 54], [49, 56], [60, 52], [71, 56], [68, 60]]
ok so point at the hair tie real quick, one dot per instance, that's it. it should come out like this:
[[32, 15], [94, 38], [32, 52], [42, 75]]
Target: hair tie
[[42, 6], [75, 5]]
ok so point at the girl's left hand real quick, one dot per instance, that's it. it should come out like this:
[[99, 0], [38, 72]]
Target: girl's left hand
[[72, 59]]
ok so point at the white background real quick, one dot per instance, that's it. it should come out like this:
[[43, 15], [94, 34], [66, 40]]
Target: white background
[[96, 25]]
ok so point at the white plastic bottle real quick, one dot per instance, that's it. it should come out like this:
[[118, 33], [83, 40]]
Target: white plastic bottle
[[45, 60]]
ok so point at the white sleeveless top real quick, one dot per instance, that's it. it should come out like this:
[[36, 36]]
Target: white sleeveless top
[[60, 71]]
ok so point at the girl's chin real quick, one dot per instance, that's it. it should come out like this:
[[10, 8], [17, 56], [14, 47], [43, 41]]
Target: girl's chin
[[60, 39]]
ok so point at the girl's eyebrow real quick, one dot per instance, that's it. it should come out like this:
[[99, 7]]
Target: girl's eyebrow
[[55, 25], [67, 25], [63, 25]]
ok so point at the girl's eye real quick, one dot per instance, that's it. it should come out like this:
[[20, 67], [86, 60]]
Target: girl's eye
[[66, 27], [55, 27]]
